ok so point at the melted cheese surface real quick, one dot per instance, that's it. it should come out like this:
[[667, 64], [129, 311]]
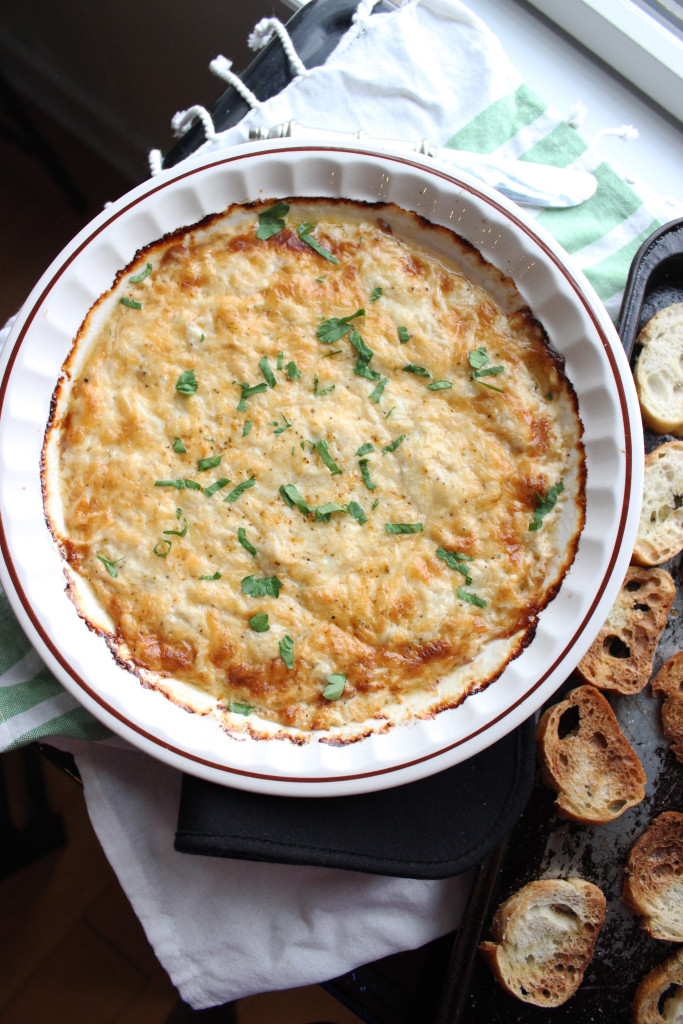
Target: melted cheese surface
[[463, 464]]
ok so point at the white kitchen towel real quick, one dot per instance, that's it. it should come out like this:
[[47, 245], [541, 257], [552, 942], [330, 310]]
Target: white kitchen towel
[[223, 929], [226, 929]]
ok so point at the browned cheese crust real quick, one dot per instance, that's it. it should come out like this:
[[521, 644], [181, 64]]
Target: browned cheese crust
[[544, 936], [653, 878], [385, 424], [621, 656], [668, 684], [588, 762]]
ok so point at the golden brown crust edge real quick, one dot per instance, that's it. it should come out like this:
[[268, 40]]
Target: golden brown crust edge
[[653, 878], [621, 656], [668, 684], [645, 1006], [593, 768]]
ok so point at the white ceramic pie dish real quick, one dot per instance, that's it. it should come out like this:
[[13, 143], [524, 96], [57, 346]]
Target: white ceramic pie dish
[[579, 329]]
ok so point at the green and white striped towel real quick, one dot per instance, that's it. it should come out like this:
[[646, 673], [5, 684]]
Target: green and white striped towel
[[429, 70]]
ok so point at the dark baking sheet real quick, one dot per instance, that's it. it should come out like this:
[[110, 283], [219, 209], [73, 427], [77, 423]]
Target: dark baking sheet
[[543, 846]]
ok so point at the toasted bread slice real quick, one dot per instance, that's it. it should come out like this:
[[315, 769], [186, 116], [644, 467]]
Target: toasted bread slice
[[668, 683], [593, 768], [653, 878], [652, 1003], [621, 656], [660, 529], [659, 371], [544, 938]]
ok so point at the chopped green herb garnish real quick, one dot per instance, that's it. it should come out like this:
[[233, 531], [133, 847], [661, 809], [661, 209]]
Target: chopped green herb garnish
[[237, 708], [336, 327], [280, 360], [375, 294], [388, 414], [335, 352], [186, 383], [335, 686], [217, 485], [210, 463], [216, 576], [286, 425], [377, 393], [478, 359], [138, 278], [292, 497], [365, 448], [259, 622], [439, 385], [471, 598], [265, 586], [374, 505], [271, 221], [111, 566], [323, 450], [550, 396], [366, 474], [403, 335], [403, 527], [286, 646], [180, 484], [242, 538], [489, 386], [363, 350], [394, 444], [305, 235], [456, 561], [545, 505], [246, 428], [361, 369], [323, 512], [131, 303], [267, 372], [240, 489], [293, 371], [178, 447], [356, 510], [178, 533], [421, 371], [161, 551], [248, 391]]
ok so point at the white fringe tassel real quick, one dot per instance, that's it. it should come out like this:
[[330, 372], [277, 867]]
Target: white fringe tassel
[[577, 115], [221, 66], [624, 131], [155, 162], [264, 32], [181, 121], [363, 11]]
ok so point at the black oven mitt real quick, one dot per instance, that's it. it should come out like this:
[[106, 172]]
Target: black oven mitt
[[434, 828]]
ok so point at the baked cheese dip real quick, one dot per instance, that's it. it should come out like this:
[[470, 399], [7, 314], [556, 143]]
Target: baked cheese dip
[[312, 465]]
